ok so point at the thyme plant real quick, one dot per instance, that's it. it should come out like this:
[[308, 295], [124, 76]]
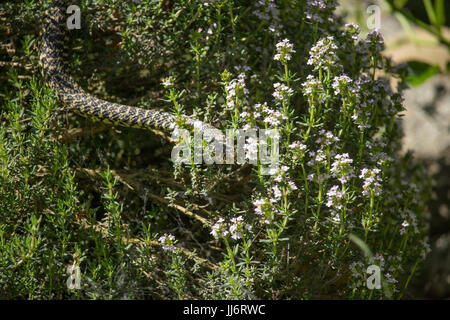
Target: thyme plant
[[110, 202]]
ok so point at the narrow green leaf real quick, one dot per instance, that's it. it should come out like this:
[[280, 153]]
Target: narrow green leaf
[[440, 12], [430, 12]]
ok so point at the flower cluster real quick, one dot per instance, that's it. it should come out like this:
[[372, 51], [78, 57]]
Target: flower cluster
[[370, 47], [323, 53], [341, 84], [298, 150], [351, 30], [262, 112], [167, 241], [266, 208], [317, 158], [326, 138], [282, 91], [335, 197], [284, 51], [409, 220], [251, 148], [219, 229], [311, 86], [236, 89], [341, 168], [235, 229], [372, 181], [376, 41], [238, 226], [168, 82]]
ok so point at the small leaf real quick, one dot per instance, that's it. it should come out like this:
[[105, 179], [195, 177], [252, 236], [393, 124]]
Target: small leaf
[[421, 72]]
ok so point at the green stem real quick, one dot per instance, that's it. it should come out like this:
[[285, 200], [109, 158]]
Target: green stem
[[230, 254]]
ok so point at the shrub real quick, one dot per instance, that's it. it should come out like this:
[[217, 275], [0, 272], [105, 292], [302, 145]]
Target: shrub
[[110, 202]]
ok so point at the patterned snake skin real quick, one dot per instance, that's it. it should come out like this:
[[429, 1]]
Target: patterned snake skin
[[73, 96]]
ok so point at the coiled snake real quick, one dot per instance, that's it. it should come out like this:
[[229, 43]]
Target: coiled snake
[[74, 97]]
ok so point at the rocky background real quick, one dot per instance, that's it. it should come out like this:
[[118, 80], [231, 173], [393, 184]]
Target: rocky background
[[426, 125]]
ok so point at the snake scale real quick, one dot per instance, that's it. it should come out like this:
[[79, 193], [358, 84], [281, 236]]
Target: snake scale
[[54, 39]]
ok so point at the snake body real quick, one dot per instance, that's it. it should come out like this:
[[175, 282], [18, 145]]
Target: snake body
[[73, 96]]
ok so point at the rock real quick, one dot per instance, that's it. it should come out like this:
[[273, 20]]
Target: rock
[[427, 118]]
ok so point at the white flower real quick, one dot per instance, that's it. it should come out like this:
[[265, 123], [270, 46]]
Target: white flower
[[311, 85], [168, 82], [323, 53], [251, 147], [335, 217], [276, 192], [167, 241], [335, 198], [340, 84], [292, 185], [258, 203], [237, 227], [341, 167], [219, 229], [371, 181], [284, 50], [281, 91]]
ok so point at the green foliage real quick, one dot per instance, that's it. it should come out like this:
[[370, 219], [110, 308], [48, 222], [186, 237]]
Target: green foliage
[[420, 72], [110, 202]]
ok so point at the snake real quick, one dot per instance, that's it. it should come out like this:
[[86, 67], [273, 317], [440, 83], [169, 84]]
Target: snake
[[55, 70]]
